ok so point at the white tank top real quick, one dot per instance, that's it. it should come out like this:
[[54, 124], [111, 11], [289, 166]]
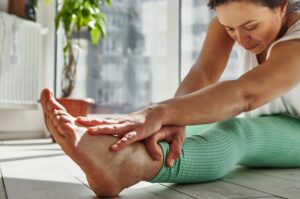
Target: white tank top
[[289, 103]]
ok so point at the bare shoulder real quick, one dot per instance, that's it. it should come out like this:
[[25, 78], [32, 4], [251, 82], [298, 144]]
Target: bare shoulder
[[286, 50], [273, 78], [217, 41]]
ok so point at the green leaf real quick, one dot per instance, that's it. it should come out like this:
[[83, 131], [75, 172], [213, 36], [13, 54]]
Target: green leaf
[[95, 35], [57, 20], [108, 2], [47, 2], [82, 13], [35, 3], [85, 12], [66, 48]]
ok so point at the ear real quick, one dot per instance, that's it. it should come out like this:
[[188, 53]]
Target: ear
[[283, 8]]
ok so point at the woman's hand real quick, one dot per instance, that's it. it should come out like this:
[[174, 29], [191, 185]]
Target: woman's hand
[[174, 135], [130, 128]]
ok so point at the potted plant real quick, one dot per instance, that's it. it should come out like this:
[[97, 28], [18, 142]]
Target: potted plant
[[74, 15], [21, 8]]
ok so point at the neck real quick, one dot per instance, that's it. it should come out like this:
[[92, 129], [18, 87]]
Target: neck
[[283, 28]]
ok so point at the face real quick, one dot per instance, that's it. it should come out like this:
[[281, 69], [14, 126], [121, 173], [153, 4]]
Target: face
[[252, 25]]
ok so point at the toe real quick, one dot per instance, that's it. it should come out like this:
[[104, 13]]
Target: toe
[[61, 118], [67, 130], [53, 104], [45, 96]]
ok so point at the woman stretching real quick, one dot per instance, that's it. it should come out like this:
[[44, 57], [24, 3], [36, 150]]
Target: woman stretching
[[150, 144]]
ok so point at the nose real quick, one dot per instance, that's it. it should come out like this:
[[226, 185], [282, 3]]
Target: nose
[[241, 37]]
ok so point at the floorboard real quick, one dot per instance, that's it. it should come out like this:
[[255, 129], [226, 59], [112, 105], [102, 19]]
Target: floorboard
[[218, 189], [261, 180], [32, 169], [2, 188], [39, 178]]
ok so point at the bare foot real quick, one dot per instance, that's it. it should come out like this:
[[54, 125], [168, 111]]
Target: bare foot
[[60, 124], [107, 172]]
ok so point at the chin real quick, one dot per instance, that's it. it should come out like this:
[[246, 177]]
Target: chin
[[258, 50]]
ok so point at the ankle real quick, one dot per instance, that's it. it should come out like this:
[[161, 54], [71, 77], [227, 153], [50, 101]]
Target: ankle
[[138, 165]]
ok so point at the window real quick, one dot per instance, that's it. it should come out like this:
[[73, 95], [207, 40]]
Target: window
[[195, 17], [130, 68], [138, 62]]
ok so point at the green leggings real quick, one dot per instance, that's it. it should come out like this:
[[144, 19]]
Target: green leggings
[[210, 152]]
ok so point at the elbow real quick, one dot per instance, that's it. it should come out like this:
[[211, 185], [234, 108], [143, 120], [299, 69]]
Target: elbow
[[249, 102], [245, 100]]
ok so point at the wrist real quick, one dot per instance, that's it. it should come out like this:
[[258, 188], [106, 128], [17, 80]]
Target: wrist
[[159, 111]]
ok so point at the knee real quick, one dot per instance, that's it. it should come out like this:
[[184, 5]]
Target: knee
[[231, 125], [235, 128]]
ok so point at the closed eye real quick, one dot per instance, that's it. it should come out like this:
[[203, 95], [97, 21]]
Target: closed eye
[[229, 29], [251, 27]]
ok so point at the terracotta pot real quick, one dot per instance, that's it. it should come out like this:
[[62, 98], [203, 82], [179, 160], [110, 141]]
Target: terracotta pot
[[22, 8], [17, 7], [76, 107]]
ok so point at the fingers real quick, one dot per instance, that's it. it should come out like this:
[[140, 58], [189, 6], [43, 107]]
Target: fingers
[[174, 135], [174, 153], [125, 141], [152, 147], [110, 129], [93, 122]]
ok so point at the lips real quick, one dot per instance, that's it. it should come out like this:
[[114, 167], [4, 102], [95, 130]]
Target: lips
[[250, 48]]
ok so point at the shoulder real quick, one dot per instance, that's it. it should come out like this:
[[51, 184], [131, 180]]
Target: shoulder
[[217, 37], [285, 50]]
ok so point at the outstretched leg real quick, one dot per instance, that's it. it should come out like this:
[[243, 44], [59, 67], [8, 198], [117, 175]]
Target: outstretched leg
[[270, 141], [108, 173]]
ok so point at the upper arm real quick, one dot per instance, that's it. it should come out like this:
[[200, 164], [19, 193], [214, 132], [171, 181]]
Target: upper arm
[[215, 52], [273, 78]]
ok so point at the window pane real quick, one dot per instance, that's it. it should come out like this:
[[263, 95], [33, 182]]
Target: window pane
[[128, 69], [195, 19]]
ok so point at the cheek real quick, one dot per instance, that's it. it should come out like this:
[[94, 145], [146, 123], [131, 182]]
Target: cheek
[[267, 35]]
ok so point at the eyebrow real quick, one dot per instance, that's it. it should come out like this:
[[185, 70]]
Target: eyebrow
[[247, 22]]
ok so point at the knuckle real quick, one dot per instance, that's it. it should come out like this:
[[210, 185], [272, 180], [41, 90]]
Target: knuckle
[[155, 137]]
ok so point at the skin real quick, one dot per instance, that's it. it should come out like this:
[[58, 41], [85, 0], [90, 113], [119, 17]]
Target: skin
[[101, 166], [200, 94], [205, 98]]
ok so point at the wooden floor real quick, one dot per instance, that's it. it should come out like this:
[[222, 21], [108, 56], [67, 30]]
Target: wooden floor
[[38, 169]]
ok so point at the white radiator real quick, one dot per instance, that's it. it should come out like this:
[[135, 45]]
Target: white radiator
[[20, 62]]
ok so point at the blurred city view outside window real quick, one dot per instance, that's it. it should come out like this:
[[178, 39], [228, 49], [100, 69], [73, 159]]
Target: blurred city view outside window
[[129, 68], [195, 17]]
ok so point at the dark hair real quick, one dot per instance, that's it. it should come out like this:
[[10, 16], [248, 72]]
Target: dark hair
[[212, 4]]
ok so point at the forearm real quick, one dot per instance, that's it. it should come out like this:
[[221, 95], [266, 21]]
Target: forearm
[[212, 104], [194, 81]]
